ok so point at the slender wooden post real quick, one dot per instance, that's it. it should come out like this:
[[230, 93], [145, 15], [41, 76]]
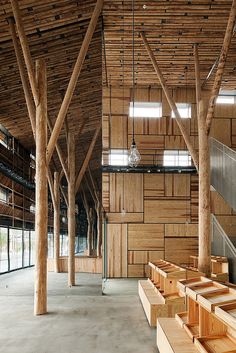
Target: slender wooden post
[[71, 210], [25, 84], [87, 157], [56, 223], [99, 228], [204, 222], [41, 215], [73, 80], [198, 78], [171, 102], [25, 49], [221, 65]]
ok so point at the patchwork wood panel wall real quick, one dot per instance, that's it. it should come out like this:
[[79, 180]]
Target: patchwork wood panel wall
[[161, 210]]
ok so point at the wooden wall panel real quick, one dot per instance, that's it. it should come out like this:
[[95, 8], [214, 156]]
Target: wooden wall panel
[[137, 257], [105, 132], [183, 247], [133, 192], [116, 192], [117, 250], [221, 130], [225, 111], [174, 143], [166, 211], [233, 122], [145, 237], [127, 217], [218, 205], [118, 131], [136, 271], [144, 256], [106, 191], [194, 198], [148, 141], [153, 186], [181, 230]]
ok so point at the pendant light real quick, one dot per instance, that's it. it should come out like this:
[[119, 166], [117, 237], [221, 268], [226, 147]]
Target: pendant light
[[134, 155]]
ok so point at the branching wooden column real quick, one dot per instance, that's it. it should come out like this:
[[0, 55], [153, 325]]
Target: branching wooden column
[[71, 210], [56, 222], [41, 219], [204, 246]]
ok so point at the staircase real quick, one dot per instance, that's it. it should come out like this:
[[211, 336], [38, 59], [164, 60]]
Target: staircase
[[223, 180]]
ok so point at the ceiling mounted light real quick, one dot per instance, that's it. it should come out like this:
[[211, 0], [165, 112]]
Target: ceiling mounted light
[[134, 155]]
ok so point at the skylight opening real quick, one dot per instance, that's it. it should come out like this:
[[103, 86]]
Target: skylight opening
[[184, 109], [226, 97], [145, 110]]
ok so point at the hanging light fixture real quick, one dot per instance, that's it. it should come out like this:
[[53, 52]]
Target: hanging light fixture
[[134, 155]]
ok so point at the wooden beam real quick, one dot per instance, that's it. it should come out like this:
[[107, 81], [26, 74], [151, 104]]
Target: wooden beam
[[41, 216], [71, 210], [50, 183], [198, 77], [73, 80], [204, 221], [64, 194], [25, 49], [28, 98], [56, 222], [221, 66], [60, 153], [87, 158], [25, 83], [171, 102]]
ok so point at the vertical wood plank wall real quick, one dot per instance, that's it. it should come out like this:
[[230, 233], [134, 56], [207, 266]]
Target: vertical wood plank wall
[[161, 210]]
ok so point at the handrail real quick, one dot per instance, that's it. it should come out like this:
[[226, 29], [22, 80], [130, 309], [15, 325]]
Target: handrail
[[223, 170], [224, 235], [221, 245]]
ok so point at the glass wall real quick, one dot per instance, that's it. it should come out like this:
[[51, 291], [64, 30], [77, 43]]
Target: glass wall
[[3, 250], [17, 248]]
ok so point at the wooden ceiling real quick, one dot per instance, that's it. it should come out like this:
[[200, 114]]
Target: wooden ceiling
[[171, 27], [55, 30]]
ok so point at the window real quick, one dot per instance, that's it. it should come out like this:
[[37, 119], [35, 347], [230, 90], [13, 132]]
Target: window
[[176, 158], [226, 97], [15, 241], [32, 247], [32, 208], [184, 110], [118, 157], [3, 250], [50, 245], [145, 110], [3, 195], [26, 248]]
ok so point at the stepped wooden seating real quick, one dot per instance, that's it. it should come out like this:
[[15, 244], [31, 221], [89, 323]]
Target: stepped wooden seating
[[209, 323], [159, 294], [219, 267]]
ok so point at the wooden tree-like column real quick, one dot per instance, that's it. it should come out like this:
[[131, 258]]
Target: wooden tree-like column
[[41, 223], [56, 222], [71, 210], [204, 125], [205, 113]]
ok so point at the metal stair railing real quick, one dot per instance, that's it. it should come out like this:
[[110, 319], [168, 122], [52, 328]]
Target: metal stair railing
[[221, 245], [223, 171]]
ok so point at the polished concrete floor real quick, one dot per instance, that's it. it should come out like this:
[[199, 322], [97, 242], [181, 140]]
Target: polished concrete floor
[[80, 320]]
